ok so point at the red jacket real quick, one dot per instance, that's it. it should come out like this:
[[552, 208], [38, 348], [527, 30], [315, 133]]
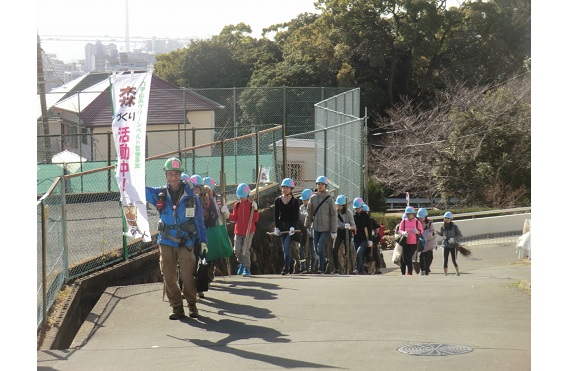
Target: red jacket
[[240, 215]]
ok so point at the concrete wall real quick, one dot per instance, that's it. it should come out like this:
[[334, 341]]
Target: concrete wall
[[492, 225]]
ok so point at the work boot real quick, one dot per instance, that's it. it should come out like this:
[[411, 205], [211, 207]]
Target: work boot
[[193, 310], [177, 313]]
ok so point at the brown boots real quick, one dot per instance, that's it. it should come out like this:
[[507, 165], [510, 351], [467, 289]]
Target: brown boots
[[177, 313]]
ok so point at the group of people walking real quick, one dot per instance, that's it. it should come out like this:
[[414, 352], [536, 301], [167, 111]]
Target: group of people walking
[[320, 217], [415, 225], [187, 208]]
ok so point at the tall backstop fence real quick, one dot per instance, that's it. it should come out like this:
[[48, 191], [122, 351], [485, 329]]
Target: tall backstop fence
[[79, 218]]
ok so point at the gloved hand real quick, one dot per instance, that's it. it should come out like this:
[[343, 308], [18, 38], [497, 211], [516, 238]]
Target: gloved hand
[[291, 231], [276, 231], [225, 211], [333, 235], [451, 240], [369, 243], [405, 233], [346, 225], [203, 248], [416, 231], [188, 182], [254, 205]]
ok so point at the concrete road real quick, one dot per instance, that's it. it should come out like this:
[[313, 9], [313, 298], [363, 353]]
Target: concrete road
[[479, 320]]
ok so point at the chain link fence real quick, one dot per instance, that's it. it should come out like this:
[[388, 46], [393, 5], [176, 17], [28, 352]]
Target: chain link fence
[[80, 221]]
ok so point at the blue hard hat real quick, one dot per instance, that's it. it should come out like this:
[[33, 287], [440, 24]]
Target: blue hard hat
[[410, 210], [422, 213], [341, 200], [210, 182], [306, 194], [448, 215], [288, 182], [322, 179], [357, 203], [365, 208], [403, 216], [242, 190], [197, 180]]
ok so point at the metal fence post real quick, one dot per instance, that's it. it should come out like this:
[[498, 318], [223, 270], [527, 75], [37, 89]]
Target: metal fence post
[[65, 257], [109, 174], [44, 264]]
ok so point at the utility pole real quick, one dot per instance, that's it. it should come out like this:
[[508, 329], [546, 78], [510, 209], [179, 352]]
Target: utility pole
[[42, 91]]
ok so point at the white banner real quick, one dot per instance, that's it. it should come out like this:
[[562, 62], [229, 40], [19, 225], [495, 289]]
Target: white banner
[[129, 95]]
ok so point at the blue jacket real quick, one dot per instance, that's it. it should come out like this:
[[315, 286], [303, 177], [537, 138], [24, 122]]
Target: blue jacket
[[174, 219]]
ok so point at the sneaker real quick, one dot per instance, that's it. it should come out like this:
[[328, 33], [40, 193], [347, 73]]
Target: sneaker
[[335, 272], [193, 310], [200, 294], [283, 272], [422, 273], [458, 274], [240, 269], [377, 271], [246, 272], [355, 271], [177, 313]]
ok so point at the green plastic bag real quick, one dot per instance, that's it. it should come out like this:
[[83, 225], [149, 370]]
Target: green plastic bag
[[219, 245]]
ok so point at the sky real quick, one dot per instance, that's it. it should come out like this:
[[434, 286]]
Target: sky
[[162, 19]]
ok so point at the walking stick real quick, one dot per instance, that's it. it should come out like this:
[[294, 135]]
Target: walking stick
[[284, 232], [223, 181], [416, 263], [247, 233], [348, 259]]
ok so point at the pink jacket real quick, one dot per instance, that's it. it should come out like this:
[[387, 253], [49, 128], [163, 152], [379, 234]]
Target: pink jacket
[[407, 225]]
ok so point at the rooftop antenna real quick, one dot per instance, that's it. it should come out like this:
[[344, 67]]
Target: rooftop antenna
[[127, 45]]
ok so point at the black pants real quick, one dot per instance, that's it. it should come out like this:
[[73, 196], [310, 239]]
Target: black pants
[[340, 239], [446, 252], [426, 258], [407, 257]]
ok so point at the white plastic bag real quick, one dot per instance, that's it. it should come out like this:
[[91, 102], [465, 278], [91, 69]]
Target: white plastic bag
[[397, 254]]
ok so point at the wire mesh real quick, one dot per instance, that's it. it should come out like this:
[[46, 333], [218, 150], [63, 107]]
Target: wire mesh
[[85, 233]]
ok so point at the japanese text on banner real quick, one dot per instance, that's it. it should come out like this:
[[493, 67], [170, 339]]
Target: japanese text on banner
[[130, 95]]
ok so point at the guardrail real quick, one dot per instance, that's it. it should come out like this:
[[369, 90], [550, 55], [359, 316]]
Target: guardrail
[[489, 224]]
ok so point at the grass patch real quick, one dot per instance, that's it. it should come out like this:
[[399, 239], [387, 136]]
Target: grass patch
[[53, 312]]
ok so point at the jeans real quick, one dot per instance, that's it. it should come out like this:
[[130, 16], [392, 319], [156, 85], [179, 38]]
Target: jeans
[[286, 243], [320, 241]]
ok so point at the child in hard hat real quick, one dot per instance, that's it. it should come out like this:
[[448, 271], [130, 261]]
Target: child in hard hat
[[286, 217], [243, 211]]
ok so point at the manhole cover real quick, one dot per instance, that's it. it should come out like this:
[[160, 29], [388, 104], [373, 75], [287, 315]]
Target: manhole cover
[[434, 349]]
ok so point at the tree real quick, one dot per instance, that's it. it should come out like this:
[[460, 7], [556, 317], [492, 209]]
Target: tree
[[473, 143]]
